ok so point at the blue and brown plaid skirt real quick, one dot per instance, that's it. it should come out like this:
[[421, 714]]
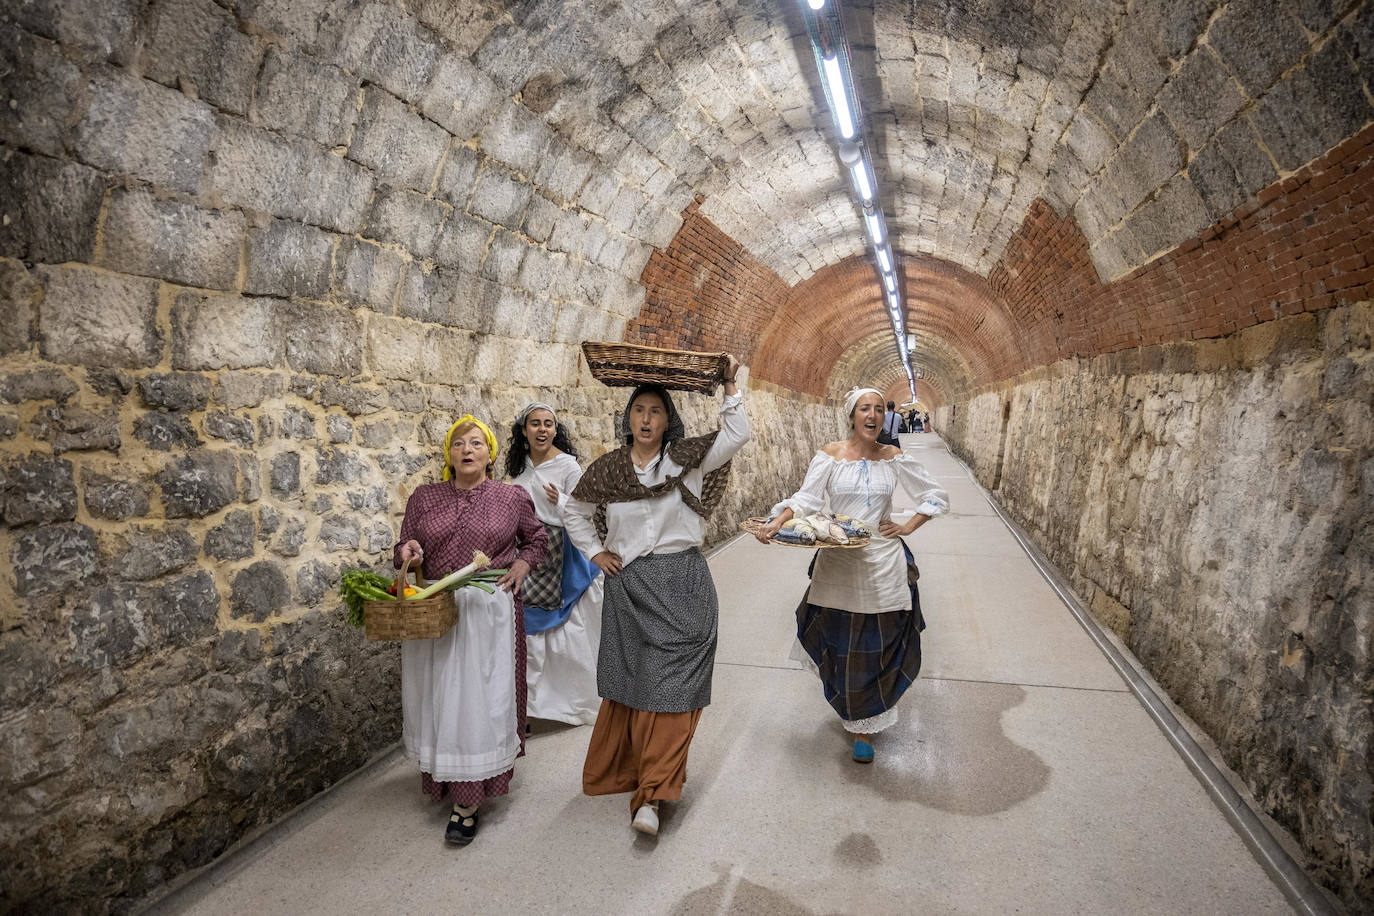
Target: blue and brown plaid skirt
[[866, 661]]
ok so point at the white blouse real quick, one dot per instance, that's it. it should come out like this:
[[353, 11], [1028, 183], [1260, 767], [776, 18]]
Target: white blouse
[[663, 524], [872, 579], [563, 472]]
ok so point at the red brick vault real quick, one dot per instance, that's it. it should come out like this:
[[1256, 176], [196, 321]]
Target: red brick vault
[[705, 291], [1301, 244]]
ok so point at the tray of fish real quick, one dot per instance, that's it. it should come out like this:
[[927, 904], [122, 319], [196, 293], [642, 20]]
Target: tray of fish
[[816, 530]]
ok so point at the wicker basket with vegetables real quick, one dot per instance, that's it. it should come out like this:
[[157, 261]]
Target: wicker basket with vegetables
[[393, 609]]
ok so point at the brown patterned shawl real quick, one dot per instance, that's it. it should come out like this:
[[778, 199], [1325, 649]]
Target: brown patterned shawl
[[612, 479]]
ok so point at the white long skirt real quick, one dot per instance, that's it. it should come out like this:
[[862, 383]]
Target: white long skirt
[[560, 664], [458, 692]]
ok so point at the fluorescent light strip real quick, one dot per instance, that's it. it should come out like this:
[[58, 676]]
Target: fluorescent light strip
[[838, 97], [884, 260], [861, 178], [875, 228], [815, 4]]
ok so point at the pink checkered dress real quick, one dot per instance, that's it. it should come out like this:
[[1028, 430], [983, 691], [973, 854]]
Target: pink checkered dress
[[451, 524]]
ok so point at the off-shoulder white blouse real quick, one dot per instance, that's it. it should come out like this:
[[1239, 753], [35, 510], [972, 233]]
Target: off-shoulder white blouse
[[872, 579]]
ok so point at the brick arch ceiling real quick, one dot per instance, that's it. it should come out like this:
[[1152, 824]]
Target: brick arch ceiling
[[893, 383], [842, 304], [868, 362], [861, 365], [974, 112], [970, 110]]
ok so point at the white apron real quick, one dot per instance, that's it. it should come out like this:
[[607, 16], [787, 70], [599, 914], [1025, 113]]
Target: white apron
[[458, 692]]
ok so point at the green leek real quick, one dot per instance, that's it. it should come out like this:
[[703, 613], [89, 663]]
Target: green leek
[[479, 561]]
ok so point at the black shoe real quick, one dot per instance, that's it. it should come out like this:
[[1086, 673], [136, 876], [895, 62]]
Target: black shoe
[[460, 830]]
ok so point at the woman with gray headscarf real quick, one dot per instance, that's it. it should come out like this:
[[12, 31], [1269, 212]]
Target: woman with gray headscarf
[[562, 595], [640, 513], [860, 621]]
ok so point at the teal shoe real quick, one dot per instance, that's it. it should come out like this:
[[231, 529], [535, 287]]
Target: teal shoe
[[863, 752]]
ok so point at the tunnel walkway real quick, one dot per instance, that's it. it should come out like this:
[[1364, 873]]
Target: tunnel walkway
[[1023, 777]]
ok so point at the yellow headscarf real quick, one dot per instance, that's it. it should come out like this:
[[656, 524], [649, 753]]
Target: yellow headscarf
[[448, 442]]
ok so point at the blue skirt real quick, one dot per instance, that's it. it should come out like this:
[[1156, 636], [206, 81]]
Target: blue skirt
[[578, 573]]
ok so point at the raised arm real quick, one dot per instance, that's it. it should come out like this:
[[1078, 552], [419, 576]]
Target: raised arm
[[567, 482], [734, 424]]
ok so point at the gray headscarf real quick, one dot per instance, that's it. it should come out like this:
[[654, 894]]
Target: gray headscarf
[[531, 408]]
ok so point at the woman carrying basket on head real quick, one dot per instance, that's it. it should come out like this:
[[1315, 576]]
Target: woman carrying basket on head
[[860, 620], [562, 596], [463, 694], [640, 513]]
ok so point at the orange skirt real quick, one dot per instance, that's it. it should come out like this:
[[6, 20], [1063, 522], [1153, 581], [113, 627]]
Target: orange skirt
[[634, 750]]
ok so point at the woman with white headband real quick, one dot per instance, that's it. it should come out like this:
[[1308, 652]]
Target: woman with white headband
[[563, 594], [860, 621]]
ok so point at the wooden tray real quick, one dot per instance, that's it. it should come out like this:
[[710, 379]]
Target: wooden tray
[[627, 365], [752, 525]]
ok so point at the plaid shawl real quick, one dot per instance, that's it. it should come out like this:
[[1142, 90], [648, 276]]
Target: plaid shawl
[[612, 479]]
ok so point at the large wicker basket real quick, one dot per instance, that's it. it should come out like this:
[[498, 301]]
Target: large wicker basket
[[625, 365], [410, 618]]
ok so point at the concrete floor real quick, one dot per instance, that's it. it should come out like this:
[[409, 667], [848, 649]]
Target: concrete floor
[[1023, 777]]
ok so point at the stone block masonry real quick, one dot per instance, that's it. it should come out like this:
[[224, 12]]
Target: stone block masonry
[[259, 253], [174, 554], [1209, 501], [257, 258]]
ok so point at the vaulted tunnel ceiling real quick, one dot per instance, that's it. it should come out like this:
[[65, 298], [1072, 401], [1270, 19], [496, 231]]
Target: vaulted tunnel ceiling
[[974, 110]]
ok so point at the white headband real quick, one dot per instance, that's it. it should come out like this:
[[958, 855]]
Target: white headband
[[851, 399], [537, 405]]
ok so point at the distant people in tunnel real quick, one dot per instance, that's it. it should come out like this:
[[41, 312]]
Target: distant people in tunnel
[[463, 694], [860, 620], [891, 425], [562, 596], [640, 513], [913, 421]]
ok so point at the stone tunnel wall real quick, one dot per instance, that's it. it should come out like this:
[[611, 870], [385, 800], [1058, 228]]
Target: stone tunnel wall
[[249, 273], [1210, 502], [1210, 498]]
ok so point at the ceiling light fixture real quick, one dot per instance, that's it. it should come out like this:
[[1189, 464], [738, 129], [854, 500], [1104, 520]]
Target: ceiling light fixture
[[861, 179], [825, 28], [838, 96], [875, 228]]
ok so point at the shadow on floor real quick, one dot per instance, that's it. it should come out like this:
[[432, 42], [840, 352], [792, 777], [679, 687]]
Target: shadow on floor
[[947, 752]]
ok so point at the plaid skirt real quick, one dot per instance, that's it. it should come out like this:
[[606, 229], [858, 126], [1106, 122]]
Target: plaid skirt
[[543, 587], [866, 661]]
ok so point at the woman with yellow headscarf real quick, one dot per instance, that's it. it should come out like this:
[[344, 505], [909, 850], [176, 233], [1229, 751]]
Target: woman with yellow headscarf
[[463, 694]]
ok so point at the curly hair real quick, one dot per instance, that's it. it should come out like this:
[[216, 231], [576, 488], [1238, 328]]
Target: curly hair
[[519, 451]]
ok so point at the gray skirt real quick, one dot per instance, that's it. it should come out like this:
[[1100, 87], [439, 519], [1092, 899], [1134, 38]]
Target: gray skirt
[[658, 634]]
